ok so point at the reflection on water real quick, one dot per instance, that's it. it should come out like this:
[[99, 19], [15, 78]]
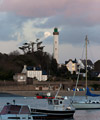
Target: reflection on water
[[87, 115], [62, 119]]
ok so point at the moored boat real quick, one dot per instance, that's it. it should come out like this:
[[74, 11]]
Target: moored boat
[[59, 111], [15, 112], [44, 96], [87, 103]]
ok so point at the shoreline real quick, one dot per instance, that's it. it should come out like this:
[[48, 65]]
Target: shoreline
[[33, 93]]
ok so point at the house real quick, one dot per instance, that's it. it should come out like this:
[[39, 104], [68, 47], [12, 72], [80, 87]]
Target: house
[[82, 64], [20, 77], [29, 73], [35, 72], [71, 65]]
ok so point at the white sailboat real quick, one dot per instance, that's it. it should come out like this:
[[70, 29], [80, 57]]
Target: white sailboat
[[87, 103]]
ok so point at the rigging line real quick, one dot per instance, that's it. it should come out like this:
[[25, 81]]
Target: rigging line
[[83, 52], [78, 73], [91, 52]]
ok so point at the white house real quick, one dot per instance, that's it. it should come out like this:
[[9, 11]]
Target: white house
[[71, 65], [35, 72], [80, 64]]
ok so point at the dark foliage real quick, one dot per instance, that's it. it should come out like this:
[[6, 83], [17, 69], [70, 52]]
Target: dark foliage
[[14, 62], [62, 71], [97, 66]]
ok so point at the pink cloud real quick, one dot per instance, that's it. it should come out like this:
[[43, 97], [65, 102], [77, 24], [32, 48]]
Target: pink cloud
[[86, 11], [35, 8]]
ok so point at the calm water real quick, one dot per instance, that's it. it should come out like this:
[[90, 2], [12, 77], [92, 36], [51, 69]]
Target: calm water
[[37, 103]]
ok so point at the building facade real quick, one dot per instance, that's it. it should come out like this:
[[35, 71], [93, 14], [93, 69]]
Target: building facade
[[35, 72], [71, 65], [20, 77], [30, 73]]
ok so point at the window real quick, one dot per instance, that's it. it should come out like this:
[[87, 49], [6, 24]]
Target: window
[[60, 102], [56, 102], [50, 102]]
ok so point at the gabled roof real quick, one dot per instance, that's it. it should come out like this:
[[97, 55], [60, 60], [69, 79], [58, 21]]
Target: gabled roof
[[73, 61], [89, 62]]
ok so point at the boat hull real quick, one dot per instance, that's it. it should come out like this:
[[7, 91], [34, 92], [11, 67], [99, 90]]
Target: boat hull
[[51, 114], [86, 106], [16, 117]]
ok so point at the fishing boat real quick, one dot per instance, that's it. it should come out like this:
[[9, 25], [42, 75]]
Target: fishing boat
[[15, 112], [59, 111], [87, 103]]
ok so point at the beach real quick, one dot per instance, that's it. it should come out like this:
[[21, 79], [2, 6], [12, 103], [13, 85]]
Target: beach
[[33, 93]]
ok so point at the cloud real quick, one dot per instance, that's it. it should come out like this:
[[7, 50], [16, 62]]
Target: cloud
[[9, 24], [47, 34], [33, 8], [74, 12], [24, 21], [8, 46]]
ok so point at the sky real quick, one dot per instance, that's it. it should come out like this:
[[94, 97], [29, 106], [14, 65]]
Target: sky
[[26, 20]]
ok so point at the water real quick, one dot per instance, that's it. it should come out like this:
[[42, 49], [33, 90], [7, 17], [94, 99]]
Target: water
[[42, 103]]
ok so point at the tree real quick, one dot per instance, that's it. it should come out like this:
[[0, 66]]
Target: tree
[[97, 66], [62, 71], [54, 66], [74, 76], [16, 52]]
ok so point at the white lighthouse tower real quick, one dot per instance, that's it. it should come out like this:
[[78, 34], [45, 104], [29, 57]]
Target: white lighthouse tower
[[55, 49]]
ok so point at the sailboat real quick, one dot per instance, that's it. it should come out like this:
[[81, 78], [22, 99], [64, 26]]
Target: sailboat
[[87, 103]]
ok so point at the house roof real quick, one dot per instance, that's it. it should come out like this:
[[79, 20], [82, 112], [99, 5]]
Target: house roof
[[33, 68], [44, 72], [74, 61], [89, 62]]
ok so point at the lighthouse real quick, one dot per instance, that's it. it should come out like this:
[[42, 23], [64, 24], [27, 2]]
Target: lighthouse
[[55, 48]]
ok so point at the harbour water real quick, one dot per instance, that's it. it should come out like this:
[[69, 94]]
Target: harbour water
[[42, 103]]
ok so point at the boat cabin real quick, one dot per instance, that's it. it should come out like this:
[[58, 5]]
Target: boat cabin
[[15, 109], [58, 104], [18, 112]]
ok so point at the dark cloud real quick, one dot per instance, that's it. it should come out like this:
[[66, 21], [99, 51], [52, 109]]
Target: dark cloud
[[9, 25], [76, 35]]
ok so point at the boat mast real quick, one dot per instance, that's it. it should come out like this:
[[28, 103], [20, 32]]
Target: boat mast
[[58, 91], [86, 39]]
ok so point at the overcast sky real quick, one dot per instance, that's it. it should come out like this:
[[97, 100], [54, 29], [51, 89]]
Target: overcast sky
[[26, 20]]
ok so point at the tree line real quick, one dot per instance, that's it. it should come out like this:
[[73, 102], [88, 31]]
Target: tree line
[[13, 63]]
